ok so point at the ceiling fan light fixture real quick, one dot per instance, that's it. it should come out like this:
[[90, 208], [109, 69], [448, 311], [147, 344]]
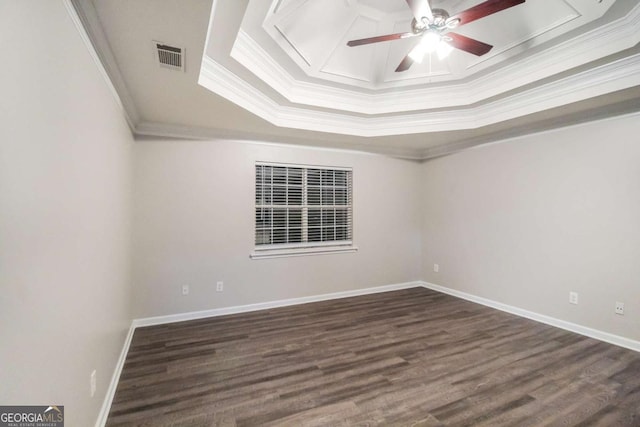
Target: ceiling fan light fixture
[[443, 50], [417, 53], [431, 41], [428, 44], [432, 26]]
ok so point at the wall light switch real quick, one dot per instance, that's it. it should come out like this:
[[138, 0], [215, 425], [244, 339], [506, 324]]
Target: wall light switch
[[436, 268], [185, 289]]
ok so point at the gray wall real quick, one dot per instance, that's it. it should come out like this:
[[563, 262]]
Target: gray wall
[[65, 154], [193, 224], [521, 222], [524, 222]]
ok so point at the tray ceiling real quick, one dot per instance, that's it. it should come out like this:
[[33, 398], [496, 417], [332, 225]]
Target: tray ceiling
[[310, 79], [314, 35], [281, 71]]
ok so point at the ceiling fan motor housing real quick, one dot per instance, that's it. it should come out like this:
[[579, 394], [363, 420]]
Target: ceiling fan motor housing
[[439, 21], [440, 17]]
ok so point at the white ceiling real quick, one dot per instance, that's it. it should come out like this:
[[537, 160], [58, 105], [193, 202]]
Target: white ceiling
[[280, 71], [314, 35]]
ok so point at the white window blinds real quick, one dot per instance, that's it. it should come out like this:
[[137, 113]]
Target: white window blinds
[[300, 206]]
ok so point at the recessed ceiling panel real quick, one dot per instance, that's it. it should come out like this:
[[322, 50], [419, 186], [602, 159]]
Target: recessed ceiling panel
[[315, 28], [283, 5], [453, 6], [314, 34], [354, 64], [386, 6], [520, 27]]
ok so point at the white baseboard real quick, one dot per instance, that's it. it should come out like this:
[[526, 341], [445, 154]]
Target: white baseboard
[[171, 318], [115, 378], [159, 320], [562, 324]]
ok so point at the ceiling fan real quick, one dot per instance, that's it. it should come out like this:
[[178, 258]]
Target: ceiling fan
[[434, 26]]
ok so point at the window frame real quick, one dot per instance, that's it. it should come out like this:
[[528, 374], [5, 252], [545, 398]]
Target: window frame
[[277, 250]]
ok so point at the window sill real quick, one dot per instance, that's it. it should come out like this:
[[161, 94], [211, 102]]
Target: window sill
[[293, 252]]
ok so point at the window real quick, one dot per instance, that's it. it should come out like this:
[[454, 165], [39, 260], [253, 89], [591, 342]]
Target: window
[[302, 210]]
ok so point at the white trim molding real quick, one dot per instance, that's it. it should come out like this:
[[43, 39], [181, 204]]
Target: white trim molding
[[85, 18], [531, 84], [462, 105], [115, 378], [260, 253], [181, 317], [586, 47], [194, 315], [611, 77], [548, 320]]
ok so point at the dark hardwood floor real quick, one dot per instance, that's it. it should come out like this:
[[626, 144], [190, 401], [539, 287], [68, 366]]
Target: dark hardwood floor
[[408, 358]]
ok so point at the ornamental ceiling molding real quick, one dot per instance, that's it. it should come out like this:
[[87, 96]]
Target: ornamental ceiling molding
[[455, 106], [614, 76], [603, 41]]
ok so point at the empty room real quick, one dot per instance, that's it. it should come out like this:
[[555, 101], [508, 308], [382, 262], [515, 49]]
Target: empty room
[[320, 213]]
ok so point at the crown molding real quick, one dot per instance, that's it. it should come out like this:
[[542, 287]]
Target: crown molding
[[252, 56], [620, 111], [85, 18], [614, 76], [617, 75], [163, 130], [590, 46]]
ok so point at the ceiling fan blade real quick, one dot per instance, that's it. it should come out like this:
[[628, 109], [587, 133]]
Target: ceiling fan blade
[[420, 9], [379, 39], [406, 63], [484, 9], [468, 45]]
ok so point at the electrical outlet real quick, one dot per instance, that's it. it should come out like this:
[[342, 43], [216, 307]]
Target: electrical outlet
[[620, 308], [573, 297], [436, 268], [185, 289], [93, 383], [219, 286]]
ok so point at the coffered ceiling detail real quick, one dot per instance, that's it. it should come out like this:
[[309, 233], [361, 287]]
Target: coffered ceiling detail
[[315, 34], [291, 64], [281, 71]]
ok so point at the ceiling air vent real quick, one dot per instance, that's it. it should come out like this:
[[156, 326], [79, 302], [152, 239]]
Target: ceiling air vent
[[169, 56]]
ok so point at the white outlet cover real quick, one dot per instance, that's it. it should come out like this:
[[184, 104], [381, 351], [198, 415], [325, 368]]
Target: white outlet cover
[[185, 289], [573, 297], [93, 383], [436, 267], [619, 308]]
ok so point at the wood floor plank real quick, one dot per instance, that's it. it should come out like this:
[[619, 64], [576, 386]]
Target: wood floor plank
[[413, 357]]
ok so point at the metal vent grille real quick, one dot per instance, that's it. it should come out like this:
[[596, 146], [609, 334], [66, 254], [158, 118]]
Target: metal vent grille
[[169, 56]]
